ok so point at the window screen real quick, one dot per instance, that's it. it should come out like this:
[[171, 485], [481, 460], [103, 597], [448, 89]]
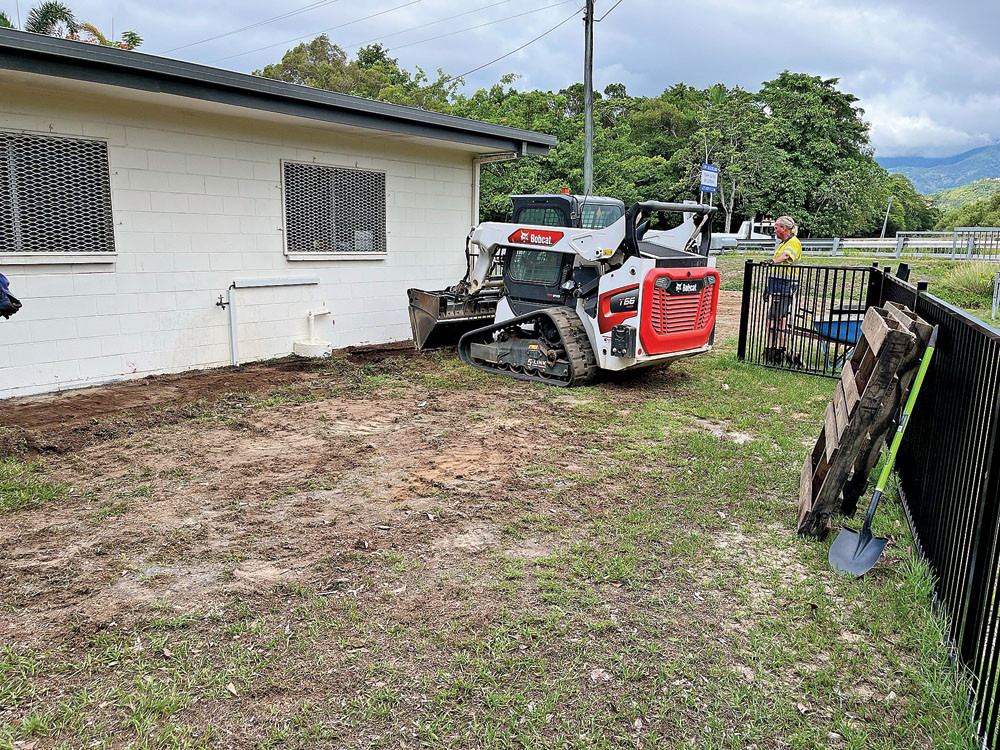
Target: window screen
[[55, 195], [333, 209], [541, 217], [536, 266], [598, 217]]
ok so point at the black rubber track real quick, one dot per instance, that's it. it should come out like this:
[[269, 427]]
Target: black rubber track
[[582, 362]]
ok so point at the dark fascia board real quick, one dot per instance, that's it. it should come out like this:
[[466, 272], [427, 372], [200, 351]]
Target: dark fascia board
[[63, 58]]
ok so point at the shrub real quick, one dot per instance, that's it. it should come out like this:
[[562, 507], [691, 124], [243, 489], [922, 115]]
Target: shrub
[[972, 281]]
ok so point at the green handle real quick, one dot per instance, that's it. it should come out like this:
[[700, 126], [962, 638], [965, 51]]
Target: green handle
[[910, 401]]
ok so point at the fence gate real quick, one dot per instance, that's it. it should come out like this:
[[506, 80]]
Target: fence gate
[[805, 318]]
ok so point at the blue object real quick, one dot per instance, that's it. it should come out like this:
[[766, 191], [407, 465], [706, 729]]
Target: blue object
[[839, 330], [9, 304]]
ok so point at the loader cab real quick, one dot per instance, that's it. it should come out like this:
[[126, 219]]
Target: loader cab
[[535, 278]]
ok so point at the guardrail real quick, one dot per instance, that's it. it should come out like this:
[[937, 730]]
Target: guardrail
[[965, 243]]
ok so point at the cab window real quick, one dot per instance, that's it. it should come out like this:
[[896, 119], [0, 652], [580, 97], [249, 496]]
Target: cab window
[[541, 216], [598, 217], [535, 266]]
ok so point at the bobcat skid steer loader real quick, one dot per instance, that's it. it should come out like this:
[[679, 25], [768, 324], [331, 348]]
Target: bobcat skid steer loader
[[576, 300]]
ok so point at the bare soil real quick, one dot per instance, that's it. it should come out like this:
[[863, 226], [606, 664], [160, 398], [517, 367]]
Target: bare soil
[[211, 517]]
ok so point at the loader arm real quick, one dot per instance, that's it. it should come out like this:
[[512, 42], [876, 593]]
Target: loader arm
[[592, 245]]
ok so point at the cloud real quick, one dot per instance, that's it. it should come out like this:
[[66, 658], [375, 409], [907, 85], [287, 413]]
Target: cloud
[[924, 71]]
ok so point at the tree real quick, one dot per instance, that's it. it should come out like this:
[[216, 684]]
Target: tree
[[373, 74], [52, 18], [5, 23], [984, 213]]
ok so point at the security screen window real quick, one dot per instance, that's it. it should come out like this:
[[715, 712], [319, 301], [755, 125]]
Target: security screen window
[[597, 217], [55, 195], [536, 266], [333, 209]]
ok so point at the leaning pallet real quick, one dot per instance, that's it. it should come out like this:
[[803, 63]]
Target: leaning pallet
[[874, 382]]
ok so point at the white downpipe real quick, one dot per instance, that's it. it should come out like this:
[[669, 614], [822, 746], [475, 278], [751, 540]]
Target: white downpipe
[[234, 338]]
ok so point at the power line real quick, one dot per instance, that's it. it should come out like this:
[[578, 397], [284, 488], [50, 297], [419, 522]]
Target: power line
[[323, 31], [498, 59], [266, 21], [425, 25], [481, 25], [609, 10]]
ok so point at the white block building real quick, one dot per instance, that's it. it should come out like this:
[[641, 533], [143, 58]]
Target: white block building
[[137, 190]]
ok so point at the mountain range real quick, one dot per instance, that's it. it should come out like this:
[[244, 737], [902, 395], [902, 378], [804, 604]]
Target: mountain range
[[930, 175]]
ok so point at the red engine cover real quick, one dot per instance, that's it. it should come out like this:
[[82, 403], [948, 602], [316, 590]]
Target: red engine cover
[[678, 309]]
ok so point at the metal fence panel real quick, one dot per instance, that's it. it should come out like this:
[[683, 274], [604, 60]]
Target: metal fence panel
[[802, 317], [949, 472]]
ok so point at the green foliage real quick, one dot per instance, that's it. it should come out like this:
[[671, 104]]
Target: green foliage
[[972, 283], [22, 489], [374, 75], [984, 213], [51, 18], [798, 146], [955, 198], [5, 22]]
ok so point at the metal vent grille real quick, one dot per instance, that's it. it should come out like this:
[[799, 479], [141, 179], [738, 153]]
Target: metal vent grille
[[333, 209], [55, 195]]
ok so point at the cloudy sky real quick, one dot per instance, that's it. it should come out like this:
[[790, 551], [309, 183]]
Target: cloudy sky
[[927, 72]]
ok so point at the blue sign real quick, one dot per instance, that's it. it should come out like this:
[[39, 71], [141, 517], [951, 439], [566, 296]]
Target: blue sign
[[709, 178]]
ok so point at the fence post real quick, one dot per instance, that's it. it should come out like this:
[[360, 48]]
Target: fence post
[[836, 245], [969, 247], [873, 297], [996, 297], [741, 347], [954, 243], [899, 246]]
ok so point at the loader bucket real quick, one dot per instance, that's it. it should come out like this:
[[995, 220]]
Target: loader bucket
[[441, 318]]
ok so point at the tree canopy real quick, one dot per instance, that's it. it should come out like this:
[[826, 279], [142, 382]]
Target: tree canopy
[[797, 146]]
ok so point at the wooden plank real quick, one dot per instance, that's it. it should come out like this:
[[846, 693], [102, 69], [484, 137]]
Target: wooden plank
[[805, 488], [920, 328], [840, 409], [830, 431], [897, 314], [865, 370], [850, 386], [860, 351], [896, 349], [875, 328]]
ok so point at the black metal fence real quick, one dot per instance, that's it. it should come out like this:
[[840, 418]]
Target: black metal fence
[[948, 463], [949, 467], [804, 317]]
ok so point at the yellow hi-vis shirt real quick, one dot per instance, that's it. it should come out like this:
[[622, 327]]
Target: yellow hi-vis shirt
[[793, 247]]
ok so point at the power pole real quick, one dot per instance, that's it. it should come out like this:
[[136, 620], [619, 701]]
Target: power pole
[[588, 99], [886, 220]]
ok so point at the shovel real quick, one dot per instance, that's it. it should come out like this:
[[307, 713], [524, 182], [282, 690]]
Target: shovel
[[856, 552]]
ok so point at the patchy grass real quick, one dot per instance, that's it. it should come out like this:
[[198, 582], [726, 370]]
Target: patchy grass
[[22, 486], [629, 576]]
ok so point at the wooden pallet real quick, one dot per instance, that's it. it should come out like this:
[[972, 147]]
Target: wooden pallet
[[872, 386]]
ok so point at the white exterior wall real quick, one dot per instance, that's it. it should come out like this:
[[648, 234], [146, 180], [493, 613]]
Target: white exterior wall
[[197, 203]]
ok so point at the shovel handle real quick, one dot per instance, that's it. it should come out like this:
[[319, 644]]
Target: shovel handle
[[904, 420]]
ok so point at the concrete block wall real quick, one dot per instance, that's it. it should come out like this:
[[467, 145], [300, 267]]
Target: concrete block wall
[[197, 203]]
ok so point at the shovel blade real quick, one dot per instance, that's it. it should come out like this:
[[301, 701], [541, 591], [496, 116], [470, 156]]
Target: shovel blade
[[847, 558]]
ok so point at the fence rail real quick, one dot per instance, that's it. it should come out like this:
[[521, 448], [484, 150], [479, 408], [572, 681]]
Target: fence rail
[[964, 243], [948, 467]]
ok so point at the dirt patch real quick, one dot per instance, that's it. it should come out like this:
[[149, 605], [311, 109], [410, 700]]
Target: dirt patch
[[722, 432], [727, 320]]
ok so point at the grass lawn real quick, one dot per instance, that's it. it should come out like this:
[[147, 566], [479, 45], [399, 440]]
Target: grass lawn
[[404, 552]]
